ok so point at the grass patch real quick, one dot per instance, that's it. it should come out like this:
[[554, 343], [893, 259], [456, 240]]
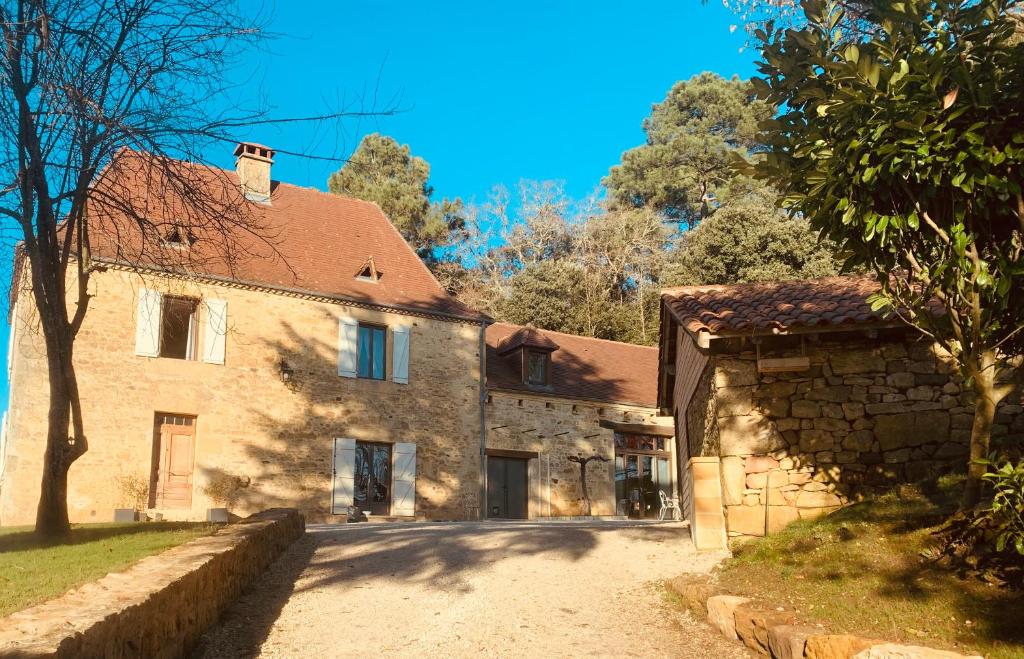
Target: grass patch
[[31, 572], [863, 570]]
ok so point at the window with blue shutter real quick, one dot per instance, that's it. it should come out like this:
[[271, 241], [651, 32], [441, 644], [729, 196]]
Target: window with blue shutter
[[372, 351]]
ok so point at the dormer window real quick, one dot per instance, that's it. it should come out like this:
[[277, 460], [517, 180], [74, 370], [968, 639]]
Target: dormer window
[[178, 238], [537, 367], [529, 350], [369, 272]]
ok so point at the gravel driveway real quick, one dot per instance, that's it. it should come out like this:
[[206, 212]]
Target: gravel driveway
[[462, 589]]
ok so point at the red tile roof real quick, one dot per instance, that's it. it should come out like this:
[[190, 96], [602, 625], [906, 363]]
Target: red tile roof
[[303, 240], [766, 308], [581, 368]]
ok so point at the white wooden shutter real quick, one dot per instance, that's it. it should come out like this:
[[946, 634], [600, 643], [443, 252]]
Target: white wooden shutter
[[403, 479], [215, 331], [343, 487], [400, 351], [147, 323], [348, 338]]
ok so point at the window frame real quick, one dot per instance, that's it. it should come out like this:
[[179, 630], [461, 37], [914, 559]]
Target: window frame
[[372, 327], [546, 359], [192, 332]]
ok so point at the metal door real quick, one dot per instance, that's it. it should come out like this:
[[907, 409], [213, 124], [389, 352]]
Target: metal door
[[507, 487]]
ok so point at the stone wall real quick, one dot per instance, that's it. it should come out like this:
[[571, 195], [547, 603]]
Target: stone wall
[[278, 435], [556, 428], [866, 415], [161, 605]]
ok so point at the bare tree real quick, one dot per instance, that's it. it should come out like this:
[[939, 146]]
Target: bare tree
[[107, 109]]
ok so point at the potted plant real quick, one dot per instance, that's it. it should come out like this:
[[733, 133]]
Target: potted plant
[[223, 489], [134, 491]]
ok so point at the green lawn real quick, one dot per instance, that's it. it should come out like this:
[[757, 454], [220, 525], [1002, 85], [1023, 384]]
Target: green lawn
[[31, 573], [864, 570]]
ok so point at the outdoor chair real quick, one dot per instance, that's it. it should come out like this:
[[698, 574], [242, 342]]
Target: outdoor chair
[[667, 505]]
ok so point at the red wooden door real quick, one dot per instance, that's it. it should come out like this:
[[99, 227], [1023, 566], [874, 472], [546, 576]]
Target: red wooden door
[[177, 439]]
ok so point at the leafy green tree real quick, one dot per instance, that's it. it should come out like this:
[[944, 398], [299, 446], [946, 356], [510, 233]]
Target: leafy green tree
[[385, 172], [906, 147], [683, 170], [750, 242]]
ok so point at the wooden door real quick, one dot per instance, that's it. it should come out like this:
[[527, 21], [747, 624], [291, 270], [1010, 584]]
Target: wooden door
[[507, 487], [174, 460]]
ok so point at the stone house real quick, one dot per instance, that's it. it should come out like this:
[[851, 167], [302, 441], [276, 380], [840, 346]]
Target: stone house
[[326, 371], [554, 396], [792, 399], [334, 372]]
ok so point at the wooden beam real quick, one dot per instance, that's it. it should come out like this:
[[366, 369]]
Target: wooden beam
[[638, 428]]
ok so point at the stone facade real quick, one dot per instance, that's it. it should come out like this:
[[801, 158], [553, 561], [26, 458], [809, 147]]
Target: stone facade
[[556, 428], [864, 415], [249, 422]]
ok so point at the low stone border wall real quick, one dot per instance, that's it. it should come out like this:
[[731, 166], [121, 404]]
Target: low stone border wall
[[773, 632], [159, 606]]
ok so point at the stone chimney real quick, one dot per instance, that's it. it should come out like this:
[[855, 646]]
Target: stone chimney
[[252, 163]]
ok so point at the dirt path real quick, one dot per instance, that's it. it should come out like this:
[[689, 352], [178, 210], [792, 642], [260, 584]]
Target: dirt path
[[467, 589]]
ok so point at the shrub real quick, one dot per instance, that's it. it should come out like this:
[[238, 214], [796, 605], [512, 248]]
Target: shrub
[[225, 488], [990, 539], [134, 490]]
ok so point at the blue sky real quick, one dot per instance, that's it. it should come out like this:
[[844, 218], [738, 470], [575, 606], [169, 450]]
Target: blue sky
[[492, 93]]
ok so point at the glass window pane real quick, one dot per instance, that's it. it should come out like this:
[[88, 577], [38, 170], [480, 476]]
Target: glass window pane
[[362, 475], [537, 368], [378, 353], [364, 352], [664, 479]]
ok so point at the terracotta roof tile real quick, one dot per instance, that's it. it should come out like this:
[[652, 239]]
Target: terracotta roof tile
[[320, 241], [581, 367], [764, 308]]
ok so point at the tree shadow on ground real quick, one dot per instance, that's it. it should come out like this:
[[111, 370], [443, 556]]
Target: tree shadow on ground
[[441, 557]]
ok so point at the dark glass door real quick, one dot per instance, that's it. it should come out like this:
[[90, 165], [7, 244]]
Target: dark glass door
[[373, 478], [642, 469], [507, 488]]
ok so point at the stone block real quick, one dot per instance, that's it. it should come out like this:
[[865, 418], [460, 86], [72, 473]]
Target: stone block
[[694, 590], [812, 441], [922, 392], [788, 641], [748, 435], [757, 481], [885, 408], [832, 410], [722, 613], [896, 457], [805, 409], [735, 373], [831, 424], [911, 429], [779, 517], [896, 651], [777, 408], [853, 410], [753, 623], [759, 463], [835, 646], [849, 362], [859, 440], [776, 390], [902, 380], [821, 499], [732, 480], [748, 520], [834, 393], [734, 401]]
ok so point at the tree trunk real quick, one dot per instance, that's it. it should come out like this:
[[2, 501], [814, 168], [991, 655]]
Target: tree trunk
[[981, 430], [586, 491], [65, 437]]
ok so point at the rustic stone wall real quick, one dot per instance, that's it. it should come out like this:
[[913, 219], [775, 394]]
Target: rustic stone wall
[[556, 428], [250, 424], [866, 415], [161, 605]]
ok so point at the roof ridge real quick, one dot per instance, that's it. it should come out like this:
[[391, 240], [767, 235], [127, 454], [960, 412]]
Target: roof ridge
[[676, 290], [580, 336]]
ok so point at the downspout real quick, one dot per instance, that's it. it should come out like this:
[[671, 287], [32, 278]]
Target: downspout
[[482, 475]]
